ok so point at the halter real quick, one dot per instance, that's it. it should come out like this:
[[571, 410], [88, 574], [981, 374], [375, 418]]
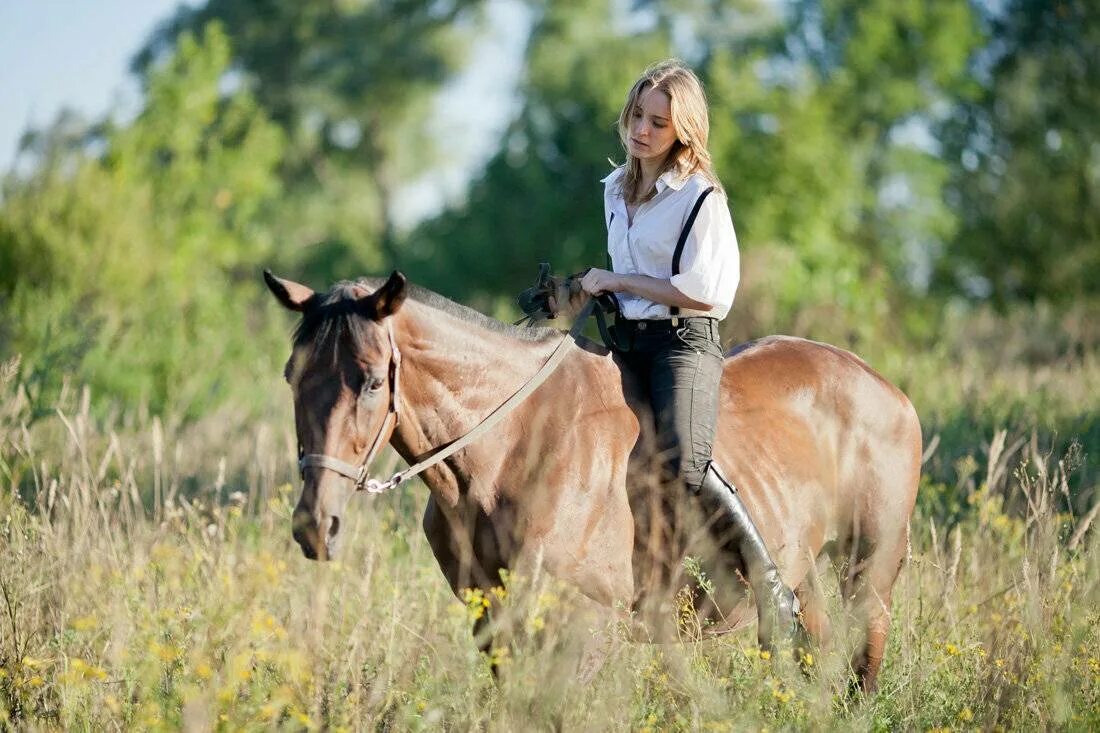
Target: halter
[[361, 474]]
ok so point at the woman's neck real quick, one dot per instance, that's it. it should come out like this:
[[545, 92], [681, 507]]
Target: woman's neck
[[650, 171]]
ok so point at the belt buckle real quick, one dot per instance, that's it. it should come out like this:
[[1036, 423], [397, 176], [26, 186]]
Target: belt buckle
[[641, 325]]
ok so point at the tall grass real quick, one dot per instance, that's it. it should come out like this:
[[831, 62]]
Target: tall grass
[[150, 581]]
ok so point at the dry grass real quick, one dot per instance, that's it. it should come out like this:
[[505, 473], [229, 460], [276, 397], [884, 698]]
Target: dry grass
[[150, 582]]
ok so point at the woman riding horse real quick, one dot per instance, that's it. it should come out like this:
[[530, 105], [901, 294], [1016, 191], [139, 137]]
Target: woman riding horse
[[675, 269]]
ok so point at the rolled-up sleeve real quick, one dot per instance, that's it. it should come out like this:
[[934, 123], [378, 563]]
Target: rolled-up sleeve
[[710, 266]]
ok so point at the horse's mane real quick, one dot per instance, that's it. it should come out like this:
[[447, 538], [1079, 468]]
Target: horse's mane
[[335, 319]]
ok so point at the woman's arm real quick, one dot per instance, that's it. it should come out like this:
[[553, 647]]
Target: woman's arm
[[651, 288]]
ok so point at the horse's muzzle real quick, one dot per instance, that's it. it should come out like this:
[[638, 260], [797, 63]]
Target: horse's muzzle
[[316, 536]]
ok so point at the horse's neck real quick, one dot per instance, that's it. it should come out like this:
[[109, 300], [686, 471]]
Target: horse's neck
[[454, 373]]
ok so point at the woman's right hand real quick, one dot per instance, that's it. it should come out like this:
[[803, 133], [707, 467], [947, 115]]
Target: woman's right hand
[[598, 282]]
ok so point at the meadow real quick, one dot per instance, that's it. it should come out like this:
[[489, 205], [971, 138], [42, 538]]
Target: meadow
[[150, 580]]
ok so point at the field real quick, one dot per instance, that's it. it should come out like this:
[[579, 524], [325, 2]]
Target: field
[[150, 581]]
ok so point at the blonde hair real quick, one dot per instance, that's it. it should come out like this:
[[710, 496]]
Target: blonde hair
[[690, 120]]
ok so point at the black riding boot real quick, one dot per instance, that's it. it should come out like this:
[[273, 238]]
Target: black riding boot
[[733, 529]]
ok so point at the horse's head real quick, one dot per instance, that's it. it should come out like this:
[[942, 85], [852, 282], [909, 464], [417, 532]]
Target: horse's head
[[340, 373]]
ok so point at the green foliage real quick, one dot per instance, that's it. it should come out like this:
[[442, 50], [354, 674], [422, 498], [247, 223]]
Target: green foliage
[[1026, 185], [540, 195], [134, 269], [352, 86], [834, 202], [871, 151]]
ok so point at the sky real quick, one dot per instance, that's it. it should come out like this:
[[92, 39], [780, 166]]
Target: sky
[[68, 53], [57, 54]]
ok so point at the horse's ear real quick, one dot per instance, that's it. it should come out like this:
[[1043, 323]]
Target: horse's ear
[[292, 295], [389, 297]]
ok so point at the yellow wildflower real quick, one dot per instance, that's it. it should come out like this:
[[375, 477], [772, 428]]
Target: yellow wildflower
[[84, 623], [86, 671]]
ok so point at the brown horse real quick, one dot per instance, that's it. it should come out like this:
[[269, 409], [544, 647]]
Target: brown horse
[[825, 452]]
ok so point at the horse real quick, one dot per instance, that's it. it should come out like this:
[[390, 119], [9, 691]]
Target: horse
[[825, 452]]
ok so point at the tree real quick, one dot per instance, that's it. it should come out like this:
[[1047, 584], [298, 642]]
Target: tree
[[812, 113], [539, 196], [351, 83], [1026, 184], [131, 252]]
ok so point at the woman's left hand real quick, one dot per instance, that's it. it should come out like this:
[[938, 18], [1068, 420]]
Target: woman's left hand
[[598, 281]]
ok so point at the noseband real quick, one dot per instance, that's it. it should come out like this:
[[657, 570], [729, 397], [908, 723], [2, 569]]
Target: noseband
[[360, 474]]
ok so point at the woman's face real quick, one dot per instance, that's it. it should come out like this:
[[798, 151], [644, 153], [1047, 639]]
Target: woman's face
[[651, 133]]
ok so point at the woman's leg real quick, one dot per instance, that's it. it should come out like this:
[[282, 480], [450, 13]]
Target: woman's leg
[[684, 383], [685, 376]]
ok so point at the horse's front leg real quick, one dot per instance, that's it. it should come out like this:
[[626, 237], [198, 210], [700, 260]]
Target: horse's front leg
[[469, 556]]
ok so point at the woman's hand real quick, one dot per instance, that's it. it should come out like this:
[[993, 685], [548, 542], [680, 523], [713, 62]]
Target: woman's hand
[[598, 281]]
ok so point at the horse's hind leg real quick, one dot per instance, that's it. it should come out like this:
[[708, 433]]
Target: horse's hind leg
[[871, 587], [815, 613]]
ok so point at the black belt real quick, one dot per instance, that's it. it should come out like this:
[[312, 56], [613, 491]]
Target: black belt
[[664, 325]]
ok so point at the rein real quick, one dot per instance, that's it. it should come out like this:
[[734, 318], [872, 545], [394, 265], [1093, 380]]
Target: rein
[[361, 474]]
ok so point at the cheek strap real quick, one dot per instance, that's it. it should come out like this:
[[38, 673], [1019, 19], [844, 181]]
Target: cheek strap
[[360, 474]]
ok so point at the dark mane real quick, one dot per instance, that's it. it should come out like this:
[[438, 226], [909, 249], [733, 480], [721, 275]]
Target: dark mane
[[336, 318]]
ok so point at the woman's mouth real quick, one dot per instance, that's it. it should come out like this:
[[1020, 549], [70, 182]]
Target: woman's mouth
[[638, 142]]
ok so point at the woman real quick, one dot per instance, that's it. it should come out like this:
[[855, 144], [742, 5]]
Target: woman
[[675, 269]]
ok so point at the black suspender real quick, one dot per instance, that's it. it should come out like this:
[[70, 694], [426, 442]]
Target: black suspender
[[674, 311], [610, 266]]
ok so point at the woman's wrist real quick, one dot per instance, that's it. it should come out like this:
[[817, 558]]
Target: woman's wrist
[[623, 283]]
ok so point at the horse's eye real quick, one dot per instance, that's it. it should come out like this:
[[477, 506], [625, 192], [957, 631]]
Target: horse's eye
[[374, 384]]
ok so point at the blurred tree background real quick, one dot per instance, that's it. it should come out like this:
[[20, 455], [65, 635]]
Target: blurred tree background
[[889, 164]]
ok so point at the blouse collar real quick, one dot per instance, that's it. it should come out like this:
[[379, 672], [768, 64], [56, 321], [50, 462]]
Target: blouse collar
[[668, 179]]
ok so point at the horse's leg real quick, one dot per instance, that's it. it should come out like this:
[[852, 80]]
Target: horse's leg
[[466, 558], [601, 640], [870, 602], [814, 613]]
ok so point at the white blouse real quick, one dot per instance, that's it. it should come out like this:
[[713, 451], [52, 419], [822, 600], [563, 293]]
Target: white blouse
[[710, 265]]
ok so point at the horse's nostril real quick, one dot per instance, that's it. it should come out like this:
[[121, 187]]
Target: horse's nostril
[[334, 527]]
